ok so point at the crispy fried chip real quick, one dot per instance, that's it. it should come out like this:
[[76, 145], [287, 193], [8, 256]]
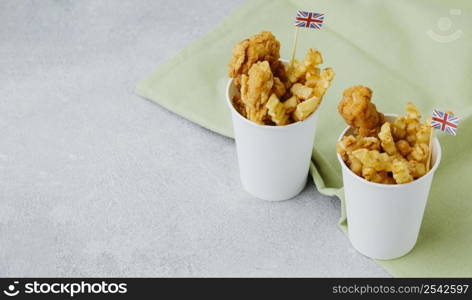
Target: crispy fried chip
[[403, 147], [301, 91], [305, 109], [276, 110], [401, 171], [291, 104], [385, 135], [417, 169], [278, 88], [374, 159]]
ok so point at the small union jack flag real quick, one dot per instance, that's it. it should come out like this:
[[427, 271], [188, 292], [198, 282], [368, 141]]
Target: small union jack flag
[[309, 19], [444, 122]]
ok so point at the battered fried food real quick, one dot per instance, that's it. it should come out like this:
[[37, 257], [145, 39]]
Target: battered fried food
[[385, 135], [403, 147], [291, 104], [350, 143], [400, 152], [305, 109], [278, 87], [359, 112], [239, 105], [260, 47], [277, 110], [301, 91], [401, 171], [258, 73], [255, 91]]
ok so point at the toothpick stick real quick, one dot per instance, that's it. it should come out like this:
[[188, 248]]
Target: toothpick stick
[[294, 49], [430, 149]]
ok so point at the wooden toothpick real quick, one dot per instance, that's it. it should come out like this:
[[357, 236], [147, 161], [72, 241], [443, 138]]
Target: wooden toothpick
[[294, 49], [430, 149]]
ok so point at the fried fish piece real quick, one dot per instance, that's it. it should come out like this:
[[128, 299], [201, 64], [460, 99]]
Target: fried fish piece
[[255, 91], [359, 112], [260, 47]]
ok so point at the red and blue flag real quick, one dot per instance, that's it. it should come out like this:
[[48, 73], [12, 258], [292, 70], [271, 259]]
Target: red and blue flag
[[445, 122], [309, 19]]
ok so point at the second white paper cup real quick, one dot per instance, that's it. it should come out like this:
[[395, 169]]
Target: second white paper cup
[[384, 220], [273, 160]]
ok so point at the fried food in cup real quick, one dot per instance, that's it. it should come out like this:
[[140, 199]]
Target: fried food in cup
[[403, 147], [279, 88], [398, 151], [291, 104], [385, 136], [299, 89], [277, 110], [401, 171], [306, 108]]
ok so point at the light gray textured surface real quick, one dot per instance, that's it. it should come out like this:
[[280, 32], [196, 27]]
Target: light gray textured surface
[[95, 181]]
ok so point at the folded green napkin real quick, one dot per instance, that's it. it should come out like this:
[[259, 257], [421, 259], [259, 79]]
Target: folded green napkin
[[404, 50]]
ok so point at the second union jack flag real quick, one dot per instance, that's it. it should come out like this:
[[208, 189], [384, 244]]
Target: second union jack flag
[[444, 122], [309, 19]]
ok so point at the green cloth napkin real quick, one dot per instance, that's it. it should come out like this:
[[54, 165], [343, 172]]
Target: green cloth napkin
[[381, 44]]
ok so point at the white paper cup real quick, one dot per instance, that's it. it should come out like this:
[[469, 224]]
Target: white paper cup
[[273, 160], [384, 220]]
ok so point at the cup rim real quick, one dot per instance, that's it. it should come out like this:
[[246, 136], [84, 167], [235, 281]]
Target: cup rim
[[436, 146], [229, 102]]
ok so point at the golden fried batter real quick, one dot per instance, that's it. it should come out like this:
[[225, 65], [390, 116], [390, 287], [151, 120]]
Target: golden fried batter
[[258, 72], [399, 154], [385, 135], [359, 112], [260, 47], [278, 88], [401, 171], [255, 91], [239, 105], [276, 110]]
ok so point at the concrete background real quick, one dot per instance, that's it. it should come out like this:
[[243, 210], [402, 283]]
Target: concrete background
[[95, 181]]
